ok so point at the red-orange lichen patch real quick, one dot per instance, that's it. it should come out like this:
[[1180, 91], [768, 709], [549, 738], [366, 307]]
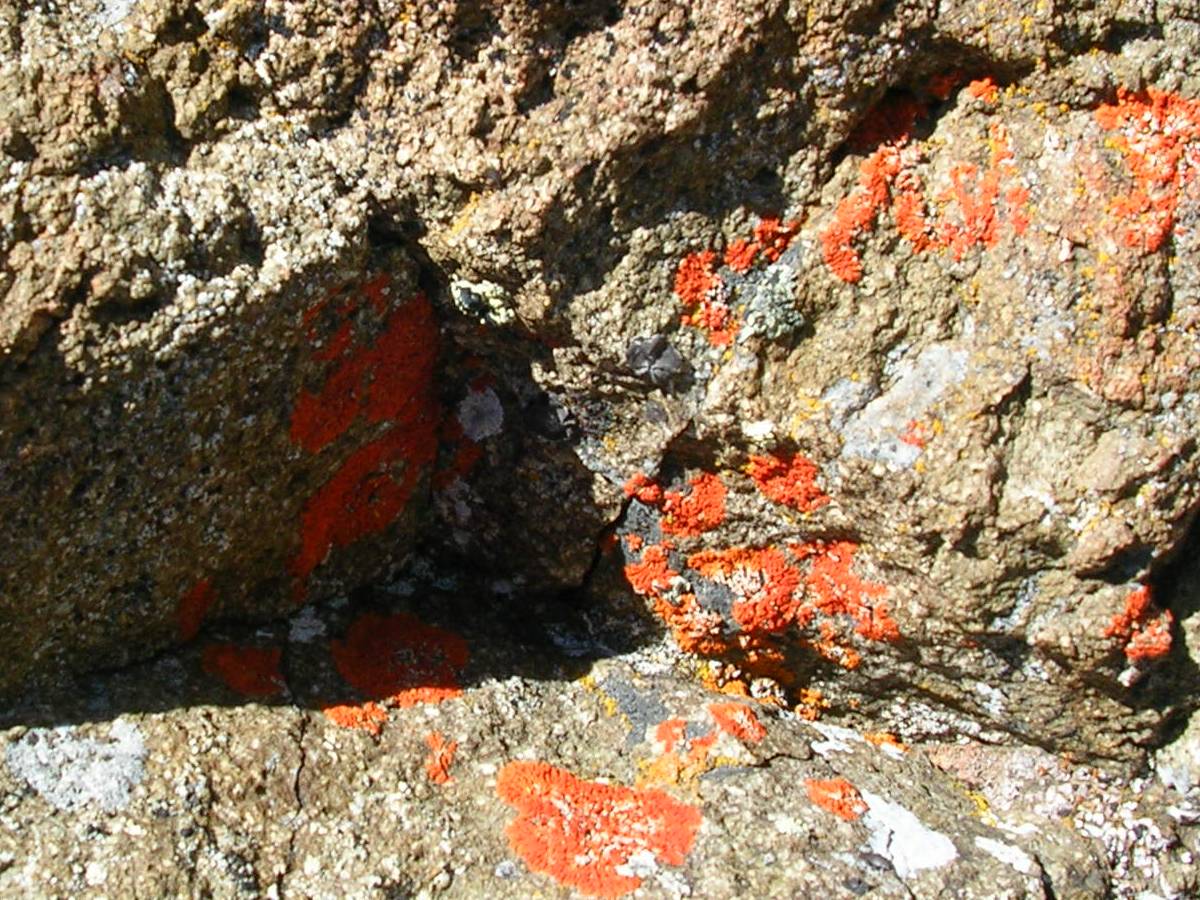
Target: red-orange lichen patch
[[984, 89], [251, 671], [836, 795], [698, 511], [584, 833], [696, 277], [773, 237], [400, 660], [839, 591], [789, 480], [390, 381], [193, 606], [1144, 630], [739, 255], [441, 757], [368, 716], [764, 586], [739, 721], [1158, 136], [973, 207], [916, 434], [882, 739], [643, 489], [652, 573]]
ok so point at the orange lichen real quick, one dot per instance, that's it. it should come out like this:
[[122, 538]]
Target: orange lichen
[[670, 733], [764, 586], [739, 721], [653, 573], [916, 434], [644, 489], [883, 739], [1158, 136], [836, 795], [390, 381], [1144, 630], [251, 671], [789, 480], [772, 238], [973, 210], [698, 511], [584, 833], [193, 606], [857, 212], [368, 716], [984, 89], [441, 757], [839, 591], [739, 255], [696, 277], [812, 702], [400, 660]]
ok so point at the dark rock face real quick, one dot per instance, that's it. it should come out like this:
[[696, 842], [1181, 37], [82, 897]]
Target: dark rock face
[[853, 346]]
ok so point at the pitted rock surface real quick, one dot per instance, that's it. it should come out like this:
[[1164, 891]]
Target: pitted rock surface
[[851, 349]]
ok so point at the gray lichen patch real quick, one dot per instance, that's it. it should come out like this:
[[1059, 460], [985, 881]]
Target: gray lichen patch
[[71, 771]]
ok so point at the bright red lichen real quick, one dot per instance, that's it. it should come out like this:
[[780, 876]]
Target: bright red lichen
[[698, 511], [836, 795], [1144, 630], [652, 573], [789, 480], [389, 382], [399, 660], [1158, 136], [772, 237], [193, 606], [441, 757], [584, 833], [250, 671]]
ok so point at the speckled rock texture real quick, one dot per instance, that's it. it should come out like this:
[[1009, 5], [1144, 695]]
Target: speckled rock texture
[[850, 349]]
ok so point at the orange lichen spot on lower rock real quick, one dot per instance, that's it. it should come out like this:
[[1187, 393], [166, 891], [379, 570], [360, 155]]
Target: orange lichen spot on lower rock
[[916, 434], [701, 509], [885, 739], [440, 758], [789, 480], [251, 671], [670, 733], [739, 721], [400, 660], [839, 591], [585, 834], [1144, 630], [1158, 136], [765, 587], [368, 716], [836, 795], [193, 606]]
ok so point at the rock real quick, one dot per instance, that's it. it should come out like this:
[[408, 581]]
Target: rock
[[851, 347], [645, 779]]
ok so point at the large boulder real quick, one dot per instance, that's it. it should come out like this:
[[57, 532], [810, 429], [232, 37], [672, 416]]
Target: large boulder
[[855, 342]]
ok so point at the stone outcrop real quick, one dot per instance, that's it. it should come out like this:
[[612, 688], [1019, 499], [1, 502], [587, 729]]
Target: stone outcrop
[[848, 348]]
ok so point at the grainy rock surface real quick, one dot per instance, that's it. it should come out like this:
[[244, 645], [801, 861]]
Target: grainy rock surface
[[849, 348]]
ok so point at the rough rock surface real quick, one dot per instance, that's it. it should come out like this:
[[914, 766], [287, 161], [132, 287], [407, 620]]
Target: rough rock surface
[[852, 347]]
